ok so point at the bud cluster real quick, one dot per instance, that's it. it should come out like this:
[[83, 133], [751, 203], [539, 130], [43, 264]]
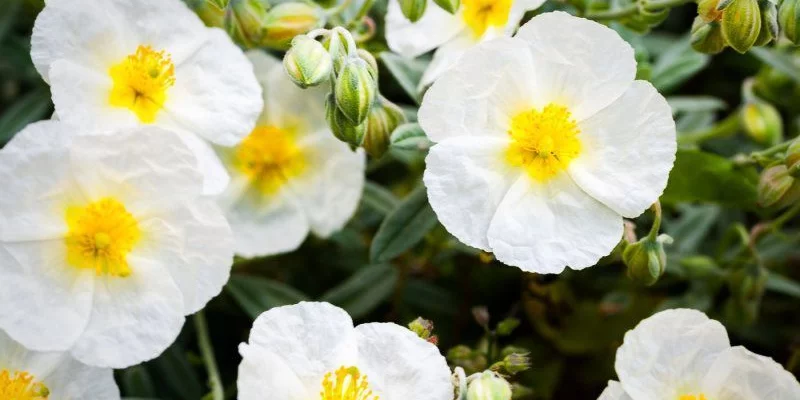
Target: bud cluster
[[739, 24]]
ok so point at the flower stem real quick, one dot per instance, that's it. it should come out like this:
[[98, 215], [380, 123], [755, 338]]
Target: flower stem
[[207, 352], [633, 9], [656, 207]]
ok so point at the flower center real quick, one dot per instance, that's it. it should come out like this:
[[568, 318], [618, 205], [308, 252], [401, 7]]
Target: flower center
[[21, 386], [346, 383], [269, 156], [481, 14], [141, 81], [692, 397], [100, 237], [544, 142]]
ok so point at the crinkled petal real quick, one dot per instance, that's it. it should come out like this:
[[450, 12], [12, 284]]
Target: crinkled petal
[[581, 64], [668, 354], [546, 226], [627, 151], [400, 365], [262, 375], [518, 10], [215, 175], [739, 374], [412, 39], [445, 57], [614, 391], [466, 179]]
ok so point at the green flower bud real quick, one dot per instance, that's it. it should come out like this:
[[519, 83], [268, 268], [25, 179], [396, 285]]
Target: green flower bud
[[287, 20], [700, 267], [488, 386], [383, 119], [244, 21], [211, 12], [336, 44], [646, 259], [516, 362], [413, 9], [507, 326], [307, 62], [769, 22], [792, 158], [707, 37], [356, 90], [341, 126], [422, 327], [371, 61], [450, 6], [748, 284], [762, 122], [741, 24], [789, 18], [708, 11], [777, 188]]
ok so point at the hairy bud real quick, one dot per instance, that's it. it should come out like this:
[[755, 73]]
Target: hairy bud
[[769, 22], [356, 90], [383, 119], [488, 386], [287, 20], [789, 18], [762, 122], [244, 21], [741, 24], [307, 62], [792, 158], [707, 36], [646, 259], [413, 9], [450, 6], [341, 126], [777, 188]]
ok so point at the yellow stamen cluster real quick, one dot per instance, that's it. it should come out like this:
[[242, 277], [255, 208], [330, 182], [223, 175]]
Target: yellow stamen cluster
[[693, 397], [100, 237], [349, 384], [269, 157], [481, 14], [141, 81], [544, 142], [21, 386]]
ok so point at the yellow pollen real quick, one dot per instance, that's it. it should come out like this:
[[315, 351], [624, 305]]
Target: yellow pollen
[[346, 383], [481, 14], [269, 157], [692, 397], [543, 142], [21, 386], [141, 81], [100, 237]]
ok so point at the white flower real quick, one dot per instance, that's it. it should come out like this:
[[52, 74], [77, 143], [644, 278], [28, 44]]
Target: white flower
[[545, 141], [291, 175], [121, 63], [105, 242], [301, 351], [30, 375], [683, 355], [474, 22]]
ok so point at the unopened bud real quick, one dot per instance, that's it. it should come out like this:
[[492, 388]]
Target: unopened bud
[[413, 9], [336, 43], [708, 10], [211, 12], [450, 6], [307, 62], [383, 119], [762, 122], [769, 22], [356, 90], [482, 316], [646, 259], [244, 21], [707, 36], [789, 18], [287, 20], [516, 362], [341, 126], [371, 61], [700, 267], [741, 24], [776, 187], [792, 158], [507, 326], [488, 386], [422, 327]]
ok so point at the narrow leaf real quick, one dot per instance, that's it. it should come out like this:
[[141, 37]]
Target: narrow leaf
[[30, 108], [378, 198], [706, 177], [256, 295], [364, 291], [778, 60], [404, 227], [407, 72], [410, 137]]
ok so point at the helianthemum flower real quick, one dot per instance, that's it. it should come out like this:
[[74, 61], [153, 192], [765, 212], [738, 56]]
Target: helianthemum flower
[[311, 351], [121, 63], [545, 141], [474, 22], [290, 175], [683, 355], [105, 242], [30, 375]]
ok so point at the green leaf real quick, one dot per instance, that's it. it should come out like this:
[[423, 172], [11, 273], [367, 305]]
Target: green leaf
[[136, 381], [779, 60], [257, 294], [407, 72], [693, 104], [364, 291], [404, 227], [30, 108], [706, 177], [173, 369], [8, 14], [781, 284], [378, 198], [692, 227], [410, 137], [677, 65]]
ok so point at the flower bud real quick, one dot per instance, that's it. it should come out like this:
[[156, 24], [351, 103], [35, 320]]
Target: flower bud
[[707, 36], [482, 316], [741, 24], [413, 9], [789, 18], [769, 22], [777, 188], [307, 62], [371, 61], [488, 386], [792, 158], [341, 126], [383, 118], [700, 267], [646, 259], [287, 20], [356, 90], [515, 363], [211, 12], [762, 122], [422, 327], [336, 44], [708, 11], [450, 6], [244, 21]]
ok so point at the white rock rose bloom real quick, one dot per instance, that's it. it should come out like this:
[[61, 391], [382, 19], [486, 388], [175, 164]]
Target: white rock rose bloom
[[474, 22], [121, 63], [683, 355], [30, 375], [544, 143], [311, 351], [106, 242], [290, 175]]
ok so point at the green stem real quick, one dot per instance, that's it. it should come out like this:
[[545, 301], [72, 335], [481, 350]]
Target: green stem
[[728, 126], [362, 11], [633, 9], [207, 351], [656, 207], [787, 215], [338, 8]]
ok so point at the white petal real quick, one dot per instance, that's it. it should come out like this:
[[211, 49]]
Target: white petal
[[544, 227], [134, 319], [584, 65], [330, 193], [287, 106], [467, 179], [491, 83], [310, 338], [262, 375], [215, 175], [400, 365], [45, 303], [739, 374], [518, 10], [215, 95], [627, 151], [668, 354], [445, 57], [614, 391], [412, 39]]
